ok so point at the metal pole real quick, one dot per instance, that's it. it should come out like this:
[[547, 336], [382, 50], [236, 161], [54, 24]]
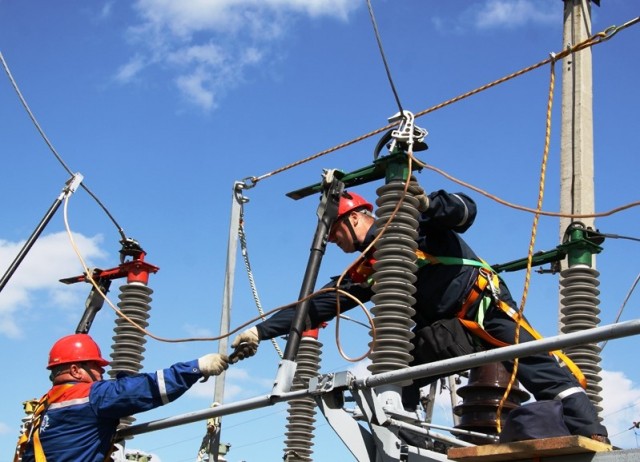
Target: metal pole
[[224, 409], [453, 397], [227, 295], [211, 442], [447, 366], [502, 354]]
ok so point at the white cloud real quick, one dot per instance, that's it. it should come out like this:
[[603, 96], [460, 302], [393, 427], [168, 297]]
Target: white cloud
[[500, 14], [196, 90], [130, 70], [106, 11], [210, 45], [620, 404], [34, 276], [189, 16], [197, 331], [241, 384], [510, 13], [208, 54], [207, 71]]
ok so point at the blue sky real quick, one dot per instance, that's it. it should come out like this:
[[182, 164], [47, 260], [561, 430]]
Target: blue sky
[[162, 106]]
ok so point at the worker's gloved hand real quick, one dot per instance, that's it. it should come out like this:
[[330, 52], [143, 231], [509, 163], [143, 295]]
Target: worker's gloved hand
[[213, 364], [245, 345], [419, 194]]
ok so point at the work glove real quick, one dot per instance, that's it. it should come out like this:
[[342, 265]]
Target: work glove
[[245, 345], [213, 364], [419, 194]]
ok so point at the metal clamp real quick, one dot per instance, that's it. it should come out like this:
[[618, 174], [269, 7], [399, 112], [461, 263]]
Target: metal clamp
[[238, 186], [407, 132], [495, 290]]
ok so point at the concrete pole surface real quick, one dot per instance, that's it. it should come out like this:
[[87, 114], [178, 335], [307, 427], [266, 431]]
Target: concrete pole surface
[[578, 302], [576, 139]]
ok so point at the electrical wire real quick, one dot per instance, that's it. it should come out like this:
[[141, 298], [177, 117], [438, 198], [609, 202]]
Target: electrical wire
[[614, 236], [598, 38], [384, 58], [633, 286], [52, 149], [624, 303], [88, 275], [528, 209]]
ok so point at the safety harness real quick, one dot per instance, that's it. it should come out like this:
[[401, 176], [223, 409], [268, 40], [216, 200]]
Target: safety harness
[[32, 426], [362, 271], [487, 278]]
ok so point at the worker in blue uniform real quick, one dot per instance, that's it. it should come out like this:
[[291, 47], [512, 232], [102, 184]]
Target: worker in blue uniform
[[77, 419], [453, 284]]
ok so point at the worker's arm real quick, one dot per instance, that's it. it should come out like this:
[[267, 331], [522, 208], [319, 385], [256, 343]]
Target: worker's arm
[[322, 308], [141, 392], [448, 211]]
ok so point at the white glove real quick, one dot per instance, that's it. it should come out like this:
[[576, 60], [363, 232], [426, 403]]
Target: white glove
[[419, 194], [245, 344], [213, 364], [423, 202]]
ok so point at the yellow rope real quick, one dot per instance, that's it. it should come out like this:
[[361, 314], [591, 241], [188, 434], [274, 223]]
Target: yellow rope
[[534, 229]]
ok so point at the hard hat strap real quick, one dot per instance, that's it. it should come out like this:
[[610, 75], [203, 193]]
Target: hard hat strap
[[354, 238], [84, 367]]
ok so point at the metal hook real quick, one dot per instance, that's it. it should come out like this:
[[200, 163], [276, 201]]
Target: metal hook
[[238, 186]]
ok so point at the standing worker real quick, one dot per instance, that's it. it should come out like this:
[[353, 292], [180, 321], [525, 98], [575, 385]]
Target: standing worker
[[77, 419], [453, 286]]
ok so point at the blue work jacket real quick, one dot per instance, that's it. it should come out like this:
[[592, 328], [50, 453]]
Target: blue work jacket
[[440, 289], [80, 424]]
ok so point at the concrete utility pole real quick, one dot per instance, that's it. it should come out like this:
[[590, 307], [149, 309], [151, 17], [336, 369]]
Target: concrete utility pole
[[578, 277], [576, 150]]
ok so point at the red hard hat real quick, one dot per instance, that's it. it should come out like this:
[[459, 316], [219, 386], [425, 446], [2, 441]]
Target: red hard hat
[[351, 201], [74, 349]]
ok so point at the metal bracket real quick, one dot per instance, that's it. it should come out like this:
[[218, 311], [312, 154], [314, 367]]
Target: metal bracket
[[238, 187], [326, 383], [328, 390], [284, 378]]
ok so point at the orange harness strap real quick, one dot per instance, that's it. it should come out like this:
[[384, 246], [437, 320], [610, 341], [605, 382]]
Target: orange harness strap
[[476, 291], [476, 329]]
